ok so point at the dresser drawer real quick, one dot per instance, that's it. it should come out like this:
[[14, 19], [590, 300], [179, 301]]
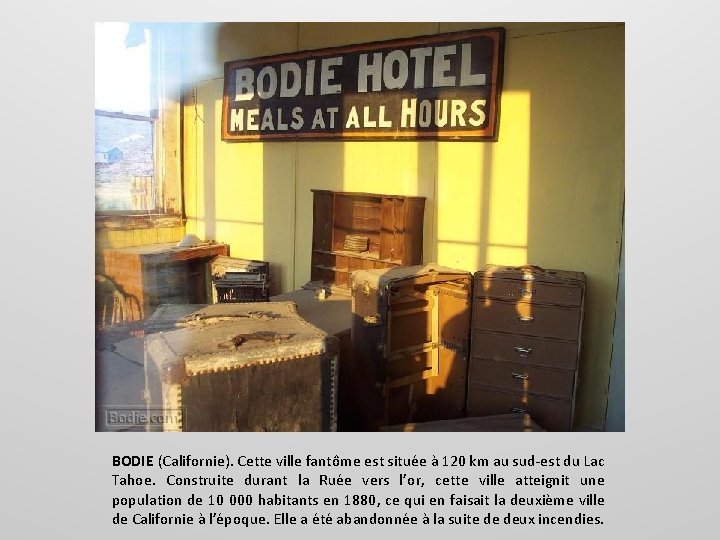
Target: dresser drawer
[[522, 378], [550, 414], [529, 290], [525, 349], [527, 318]]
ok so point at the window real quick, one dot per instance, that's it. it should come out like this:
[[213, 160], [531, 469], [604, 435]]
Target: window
[[124, 161], [136, 144]]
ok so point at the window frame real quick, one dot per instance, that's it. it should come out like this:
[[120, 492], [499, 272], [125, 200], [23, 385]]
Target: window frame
[[166, 144]]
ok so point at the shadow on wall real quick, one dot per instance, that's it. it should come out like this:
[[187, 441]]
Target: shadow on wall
[[549, 192]]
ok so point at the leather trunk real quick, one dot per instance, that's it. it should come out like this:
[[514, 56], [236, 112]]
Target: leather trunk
[[410, 333], [526, 343], [239, 367], [331, 313]]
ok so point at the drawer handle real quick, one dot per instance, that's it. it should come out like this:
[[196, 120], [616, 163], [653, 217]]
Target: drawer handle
[[526, 319], [523, 351], [526, 293], [520, 377], [517, 409], [371, 320]]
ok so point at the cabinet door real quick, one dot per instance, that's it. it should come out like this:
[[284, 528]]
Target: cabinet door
[[322, 220], [413, 231], [392, 229]]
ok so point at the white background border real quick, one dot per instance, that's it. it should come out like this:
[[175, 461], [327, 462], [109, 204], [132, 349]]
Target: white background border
[[56, 469]]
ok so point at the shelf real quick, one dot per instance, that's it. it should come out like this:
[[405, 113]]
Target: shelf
[[367, 255], [393, 225]]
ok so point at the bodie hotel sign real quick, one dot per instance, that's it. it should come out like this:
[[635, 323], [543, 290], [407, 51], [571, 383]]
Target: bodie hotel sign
[[441, 87]]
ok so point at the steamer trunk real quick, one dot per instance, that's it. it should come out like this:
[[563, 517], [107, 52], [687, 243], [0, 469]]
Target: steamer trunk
[[410, 343], [239, 367], [526, 343]]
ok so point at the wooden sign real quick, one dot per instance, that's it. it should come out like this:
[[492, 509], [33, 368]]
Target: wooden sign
[[441, 87]]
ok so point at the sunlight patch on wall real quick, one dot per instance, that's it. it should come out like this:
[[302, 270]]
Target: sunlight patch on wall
[[459, 200], [239, 191], [246, 239], [509, 191], [458, 255], [389, 168]]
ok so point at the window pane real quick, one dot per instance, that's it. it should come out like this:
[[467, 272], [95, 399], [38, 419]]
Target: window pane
[[124, 142], [124, 165]]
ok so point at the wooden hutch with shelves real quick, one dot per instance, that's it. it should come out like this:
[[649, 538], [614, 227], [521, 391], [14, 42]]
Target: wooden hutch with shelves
[[363, 231]]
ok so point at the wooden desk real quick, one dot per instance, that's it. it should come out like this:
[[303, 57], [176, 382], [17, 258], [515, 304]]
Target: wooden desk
[[162, 273]]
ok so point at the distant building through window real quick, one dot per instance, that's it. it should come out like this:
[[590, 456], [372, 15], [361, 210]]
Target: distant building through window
[[123, 154], [125, 119]]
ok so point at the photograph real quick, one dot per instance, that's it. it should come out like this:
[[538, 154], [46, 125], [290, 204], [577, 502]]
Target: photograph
[[353, 226]]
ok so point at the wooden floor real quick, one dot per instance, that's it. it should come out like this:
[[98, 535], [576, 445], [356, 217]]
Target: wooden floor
[[120, 379], [501, 422]]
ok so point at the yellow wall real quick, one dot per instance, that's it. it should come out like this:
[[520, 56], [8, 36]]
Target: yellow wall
[[550, 192]]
